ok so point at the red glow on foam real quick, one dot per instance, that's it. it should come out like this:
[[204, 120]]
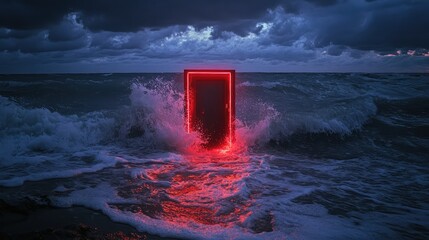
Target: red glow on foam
[[197, 191], [190, 103]]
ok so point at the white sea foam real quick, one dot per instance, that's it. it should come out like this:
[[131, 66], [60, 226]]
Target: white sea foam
[[66, 168], [38, 144], [268, 197], [40, 136], [240, 194], [103, 196], [159, 111], [265, 84], [25, 130]]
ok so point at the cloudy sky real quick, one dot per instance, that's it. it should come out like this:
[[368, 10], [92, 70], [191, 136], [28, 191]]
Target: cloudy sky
[[247, 35]]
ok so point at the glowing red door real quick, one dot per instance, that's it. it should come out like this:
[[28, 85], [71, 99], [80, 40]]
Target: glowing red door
[[210, 105]]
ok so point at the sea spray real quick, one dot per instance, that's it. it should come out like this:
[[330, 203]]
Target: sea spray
[[25, 131], [351, 157], [157, 107]]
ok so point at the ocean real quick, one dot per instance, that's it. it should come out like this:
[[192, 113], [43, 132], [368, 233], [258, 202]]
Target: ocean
[[317, 155]]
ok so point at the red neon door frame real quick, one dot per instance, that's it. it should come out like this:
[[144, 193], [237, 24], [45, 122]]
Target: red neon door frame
[[226, 75]]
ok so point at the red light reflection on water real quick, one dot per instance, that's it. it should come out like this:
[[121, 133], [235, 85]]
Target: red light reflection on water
[[207, 188]]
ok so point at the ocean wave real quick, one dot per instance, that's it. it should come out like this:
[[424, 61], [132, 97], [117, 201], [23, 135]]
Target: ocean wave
[[58, 167], [265, 84], [155, 116], [155, 119], [27, 130], [37, 144], [343, 119], [285, 176], [412, 105]]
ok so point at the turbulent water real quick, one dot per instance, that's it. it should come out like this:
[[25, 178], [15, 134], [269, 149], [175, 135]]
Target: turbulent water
[[317, 156]]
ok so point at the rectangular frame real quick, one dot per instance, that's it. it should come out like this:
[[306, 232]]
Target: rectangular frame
[[189, 104]]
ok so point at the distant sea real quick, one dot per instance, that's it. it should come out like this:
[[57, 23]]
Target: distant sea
[[317, 156]]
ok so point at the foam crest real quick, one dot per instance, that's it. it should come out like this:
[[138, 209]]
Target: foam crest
[[333, 120], [39, 130], [157, 109], [265, 84], [257, 131], [64, 168]]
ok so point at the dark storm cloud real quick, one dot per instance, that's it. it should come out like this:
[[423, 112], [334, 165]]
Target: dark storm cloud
[[66, 35], [118, 16], [323, 2], [335, 50], [377, 25], [66, 31], [239, 27], [40, 43], [130, 15], [133, 15], [368, 25], [8, 33], [28, 14], [288, 31], [285, 29]]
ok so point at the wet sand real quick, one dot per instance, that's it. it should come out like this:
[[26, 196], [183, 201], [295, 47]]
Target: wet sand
[[20, 222]]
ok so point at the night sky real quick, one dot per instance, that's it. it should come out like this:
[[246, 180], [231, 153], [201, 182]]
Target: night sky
[[64, 36]]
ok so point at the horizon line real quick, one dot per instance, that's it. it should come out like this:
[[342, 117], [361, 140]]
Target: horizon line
[[175, 72]]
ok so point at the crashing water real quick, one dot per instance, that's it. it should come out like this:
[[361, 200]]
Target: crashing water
[[317, 156]]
